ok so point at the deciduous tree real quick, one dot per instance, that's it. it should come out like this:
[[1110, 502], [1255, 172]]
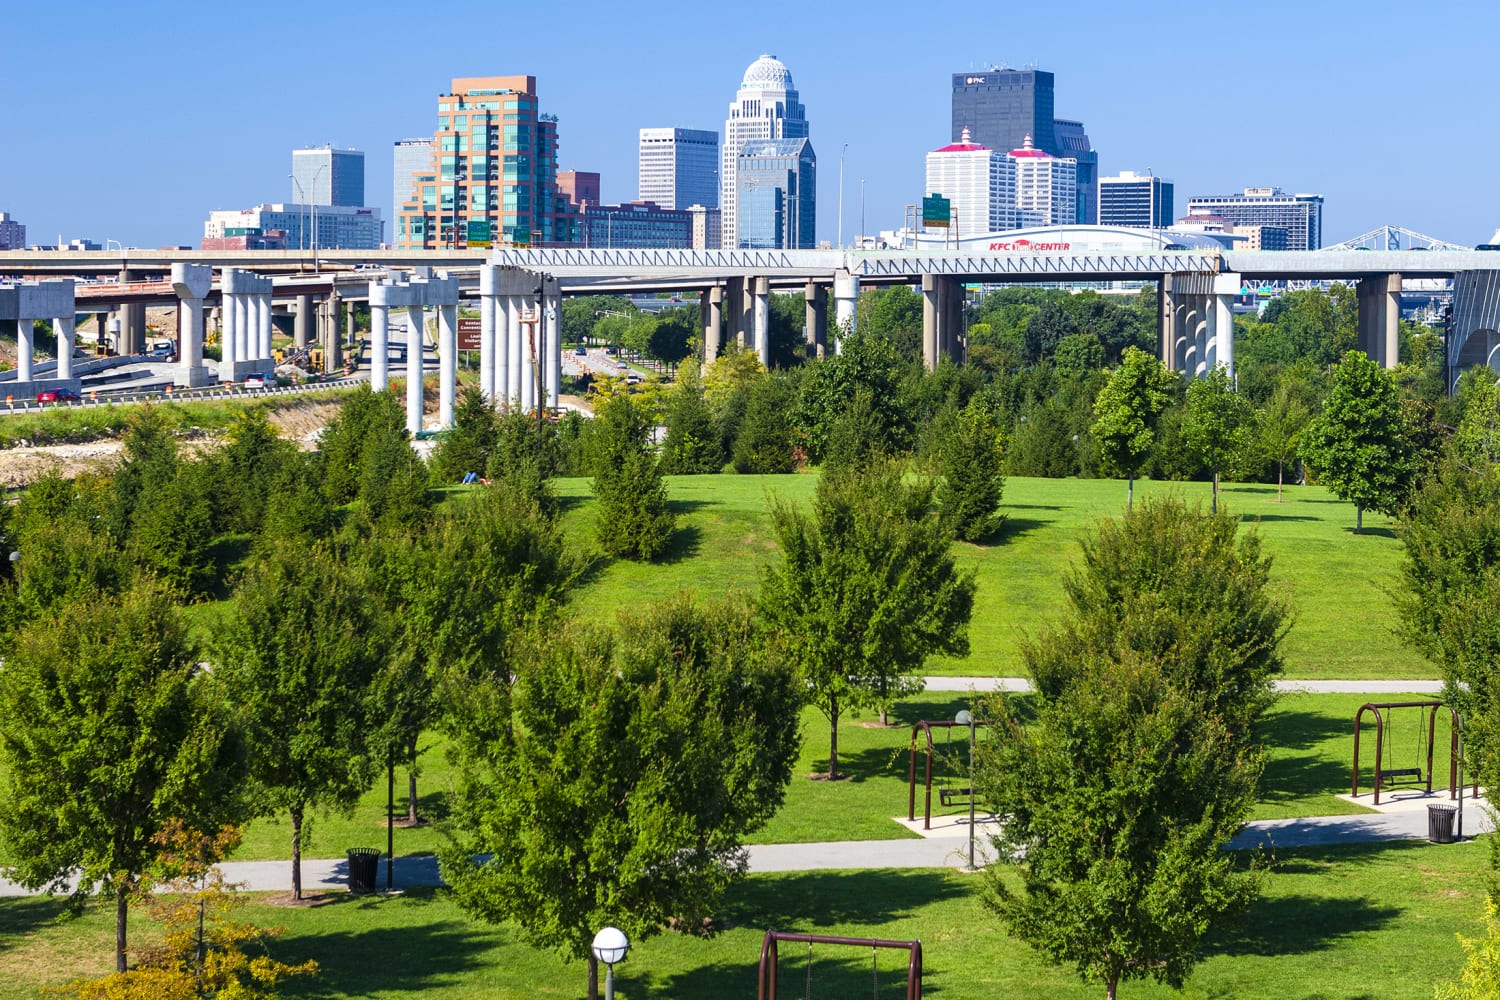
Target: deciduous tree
[[866, 590], [1143, 758], [106, 739], [615, 782], [1359, 445], [1126, 411], [1216, 421]]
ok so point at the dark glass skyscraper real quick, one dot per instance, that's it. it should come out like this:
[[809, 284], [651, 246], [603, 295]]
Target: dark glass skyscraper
[[1001, 107]]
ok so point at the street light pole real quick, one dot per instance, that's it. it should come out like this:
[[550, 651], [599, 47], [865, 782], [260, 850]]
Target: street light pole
[[302, 236], [841, 194], [315, 211], [966, 718]]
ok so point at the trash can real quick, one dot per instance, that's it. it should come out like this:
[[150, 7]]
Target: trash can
[[1440, 823], [363, 862]]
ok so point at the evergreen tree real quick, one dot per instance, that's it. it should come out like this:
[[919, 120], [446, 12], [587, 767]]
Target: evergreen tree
[[467, 446], [633, 519], [970, 462], [692, 446], [764, 443]]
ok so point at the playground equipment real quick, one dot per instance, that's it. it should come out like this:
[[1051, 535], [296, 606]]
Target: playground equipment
[[766, 978], [1414, 773], [946, 794]]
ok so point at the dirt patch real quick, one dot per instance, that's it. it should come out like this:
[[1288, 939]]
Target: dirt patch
[[303, 422], [309, 900], [20, 466]]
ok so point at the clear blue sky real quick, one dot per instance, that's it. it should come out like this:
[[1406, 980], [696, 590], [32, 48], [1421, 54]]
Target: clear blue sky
[[131, 121]]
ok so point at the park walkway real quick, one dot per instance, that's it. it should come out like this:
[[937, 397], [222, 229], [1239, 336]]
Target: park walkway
[[947, 845]]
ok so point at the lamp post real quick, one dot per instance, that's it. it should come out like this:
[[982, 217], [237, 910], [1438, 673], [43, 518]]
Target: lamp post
[[966, 718], [610, 946], [841, 194], [302, 236], [314, 208]]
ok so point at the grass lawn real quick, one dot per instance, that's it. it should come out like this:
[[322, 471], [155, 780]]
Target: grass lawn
[[1349, 923], [1310, 738], [1336, 581]]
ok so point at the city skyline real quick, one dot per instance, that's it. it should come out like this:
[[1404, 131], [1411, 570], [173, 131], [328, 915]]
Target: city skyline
[[198, 126]]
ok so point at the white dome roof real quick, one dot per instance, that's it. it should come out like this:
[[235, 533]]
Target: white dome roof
[[767, 73]]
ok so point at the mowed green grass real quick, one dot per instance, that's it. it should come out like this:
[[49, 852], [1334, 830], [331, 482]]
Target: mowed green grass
[[1337, 582], [1346, 923], [1309, 739]]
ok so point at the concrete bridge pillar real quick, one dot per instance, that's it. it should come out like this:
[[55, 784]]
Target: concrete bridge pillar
[[529, 321], [505, 306], [816, 299], [23, 305], [551, 341], [62, 327], [734, 297], [302, 330], [263, 320], [131, 338], [516, 341], [713, 323], [745, 321], [447, 344], [1226, 287], [845, 298], [1379, 301], [416, 320], [191, 282], [380, 339], [762, 320], [101, 321], [487, 274], [953, 344], [25, 348], [931, 320]]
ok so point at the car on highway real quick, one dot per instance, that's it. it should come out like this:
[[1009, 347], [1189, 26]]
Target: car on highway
[[580, 350], [57, 396], [260, 380]]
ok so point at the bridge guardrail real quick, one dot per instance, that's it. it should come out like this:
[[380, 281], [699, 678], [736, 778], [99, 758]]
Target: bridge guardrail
[[10, 406]]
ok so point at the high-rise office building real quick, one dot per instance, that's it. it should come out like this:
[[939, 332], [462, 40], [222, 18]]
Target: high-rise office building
[[1001, 107], [765, 108], [679, 167], [637, 225], [1046, 187], [12, 233], [1301, 215], [979, 183], [410, 158], [328, 176], [1129, 199], [777, 195], [493, 173], [1073, 143], [294, 227]]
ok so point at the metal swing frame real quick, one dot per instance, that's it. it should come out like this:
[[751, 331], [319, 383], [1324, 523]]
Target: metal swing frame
[[766, 978], [911, 774], [1379, 708]]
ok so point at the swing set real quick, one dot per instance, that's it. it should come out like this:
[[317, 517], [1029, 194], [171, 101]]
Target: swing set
[[1418, 770], [947, 794], [766, 978]]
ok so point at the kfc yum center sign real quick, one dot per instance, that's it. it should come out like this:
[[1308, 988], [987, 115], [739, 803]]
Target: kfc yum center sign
[[1024, 246]]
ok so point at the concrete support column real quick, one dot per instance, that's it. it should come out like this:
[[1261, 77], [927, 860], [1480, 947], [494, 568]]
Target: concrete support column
[[132, 339], [1210, 334], [953, 320], [530, 320], [192, 283], [227, 356], [845, 298], [62, 326], [931, 311], [713, 324], [734, 309], [487, 331], [101, 320], [243, 336], [1226, 287], [265, 321], [380, 345], [817, 317], [745, 321], [517, 349], [1166, 322], [447, 363], [552, 341], [762, 319], [416, 320], [302, 328], [502, 350], [1379, 300], [1187, 338], [25, 345]]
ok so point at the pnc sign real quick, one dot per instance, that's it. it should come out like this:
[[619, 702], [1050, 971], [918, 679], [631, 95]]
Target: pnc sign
[[1023, 246]]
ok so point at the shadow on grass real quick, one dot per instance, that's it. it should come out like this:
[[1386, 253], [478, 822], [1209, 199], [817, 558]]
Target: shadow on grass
[[1372, 532], [1257, 517], [686, 541], [680, 507], [1291, 925], [843, 903], [564, 504], [24, 915], [1011, 529], [419, 955], [1293, 777]]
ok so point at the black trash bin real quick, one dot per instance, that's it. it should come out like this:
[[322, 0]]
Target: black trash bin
[[363, 863], [1440, 822]]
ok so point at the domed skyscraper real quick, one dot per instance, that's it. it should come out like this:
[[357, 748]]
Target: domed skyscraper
[[766, 109]]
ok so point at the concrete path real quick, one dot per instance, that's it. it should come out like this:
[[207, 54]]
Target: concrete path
[[1017, 684]]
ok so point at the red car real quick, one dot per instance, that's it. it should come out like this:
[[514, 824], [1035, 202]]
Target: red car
[[57, 396]]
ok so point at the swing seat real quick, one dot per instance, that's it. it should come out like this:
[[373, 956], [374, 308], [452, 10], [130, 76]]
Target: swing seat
[[947, 795], [1392, 775]]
